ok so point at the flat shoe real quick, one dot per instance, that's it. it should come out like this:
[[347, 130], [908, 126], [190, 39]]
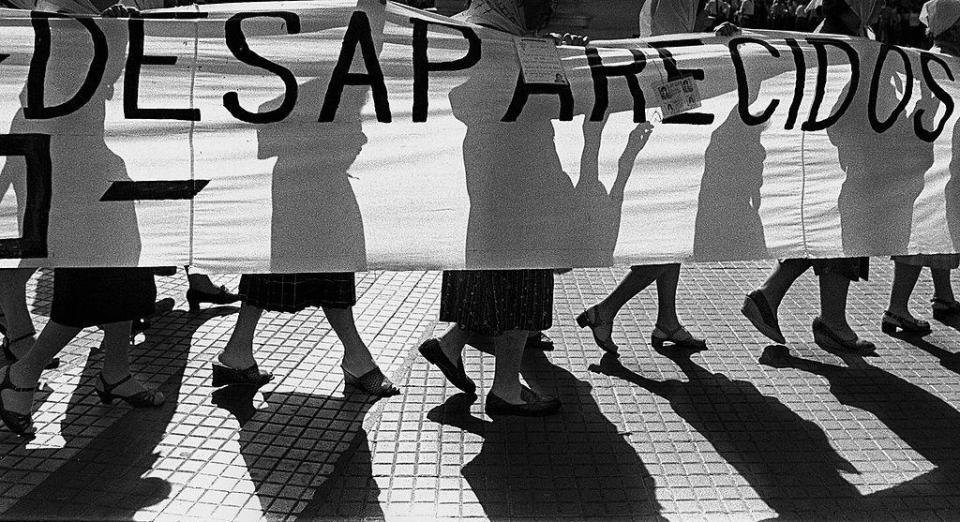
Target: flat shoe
[[827, 339], [432, 352], [17, 422], [602, 329], [539, 341], [538, 407], [943, 309], [678, 337], [250, 376], [221, 297], [909, 325], [373, 382], [757, 310]]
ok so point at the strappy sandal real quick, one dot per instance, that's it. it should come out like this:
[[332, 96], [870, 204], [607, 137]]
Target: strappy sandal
[[143, 399], [602, 329], [891, 322], [943, 309], [12, 357], [373, 382], [679, 337], [17, 422]]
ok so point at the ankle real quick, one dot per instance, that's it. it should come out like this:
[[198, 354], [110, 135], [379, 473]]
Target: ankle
[[235, 360]]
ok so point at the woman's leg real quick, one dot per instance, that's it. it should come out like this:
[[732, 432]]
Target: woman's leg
[[904, 280], [238, 353], [508, 352], [13, 304], [781, 279], [667, 284], [833, 303], [356, 356], [942, 289], [116, 360], [633, 283], [25, 373], [453, 341]]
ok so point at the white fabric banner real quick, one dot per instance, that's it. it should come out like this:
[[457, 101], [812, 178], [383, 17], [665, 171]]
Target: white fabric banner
[[337, 135]]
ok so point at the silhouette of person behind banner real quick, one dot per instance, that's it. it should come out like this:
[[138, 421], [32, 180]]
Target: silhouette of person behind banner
[[316, 219], [884, 170]]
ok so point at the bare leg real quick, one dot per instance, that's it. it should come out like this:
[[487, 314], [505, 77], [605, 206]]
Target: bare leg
[[13, 303], [781, 279], [833, 303], [942, 288], [356, 356], [508, 351], [116, 360], [667, 297], [25, 373], [452, 342], [904, 280], [635, 281], [238, 353]]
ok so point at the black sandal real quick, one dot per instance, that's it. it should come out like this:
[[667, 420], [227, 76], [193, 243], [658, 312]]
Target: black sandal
[[17, 422], [373, 382], [12, 357], [910, 325], [224, 375], [943, 309], [143, 399]]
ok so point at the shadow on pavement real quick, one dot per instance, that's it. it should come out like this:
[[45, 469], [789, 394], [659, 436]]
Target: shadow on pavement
[[786, 459], [293, 444], [103, 480], [575, 463]]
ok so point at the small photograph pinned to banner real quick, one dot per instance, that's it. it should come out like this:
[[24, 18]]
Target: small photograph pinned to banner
[[540, 62], [678, 96]]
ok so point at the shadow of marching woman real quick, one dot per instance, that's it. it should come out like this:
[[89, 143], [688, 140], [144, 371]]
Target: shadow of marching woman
[[574, 464], [927, 423], [294, 445], [786, 459], [104, 479]]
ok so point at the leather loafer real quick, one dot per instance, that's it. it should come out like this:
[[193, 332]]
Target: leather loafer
[[432, 352], [757, 310]]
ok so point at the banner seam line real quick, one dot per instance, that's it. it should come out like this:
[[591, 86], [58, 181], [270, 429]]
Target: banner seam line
[[193, 125]]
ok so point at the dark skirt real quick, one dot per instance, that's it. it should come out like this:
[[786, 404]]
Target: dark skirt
[[84, 297], [852, 268], [294, 292], [490, 302]]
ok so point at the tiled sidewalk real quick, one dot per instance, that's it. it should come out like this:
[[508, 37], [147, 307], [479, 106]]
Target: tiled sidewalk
[[805, 435]]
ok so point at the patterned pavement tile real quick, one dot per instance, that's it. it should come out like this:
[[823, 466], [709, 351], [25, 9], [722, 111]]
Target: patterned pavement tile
[[711, 436]]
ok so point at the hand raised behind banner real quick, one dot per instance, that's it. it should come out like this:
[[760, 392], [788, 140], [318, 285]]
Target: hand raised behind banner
[[569, 39], [726, 29], [637, 140], [119, 11]]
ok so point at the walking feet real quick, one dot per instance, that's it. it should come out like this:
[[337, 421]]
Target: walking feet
[[221, 297], [19, 423], [678, 337], [829, 339], [138, 396], [224, 375], [601, 327], [373, 382], [762, 316], [432, 351], [532, 405], [891, 322]]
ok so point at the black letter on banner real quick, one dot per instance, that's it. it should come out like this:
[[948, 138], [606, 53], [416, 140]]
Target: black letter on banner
[[882, 126], [942, 95], [237, 42], [422, 66], [629, 71], [801, 68], [675, 73], [523, 91], [357, 32], [821, 45], [35, 149], [743, 94], [36, 78], [131, 81]]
